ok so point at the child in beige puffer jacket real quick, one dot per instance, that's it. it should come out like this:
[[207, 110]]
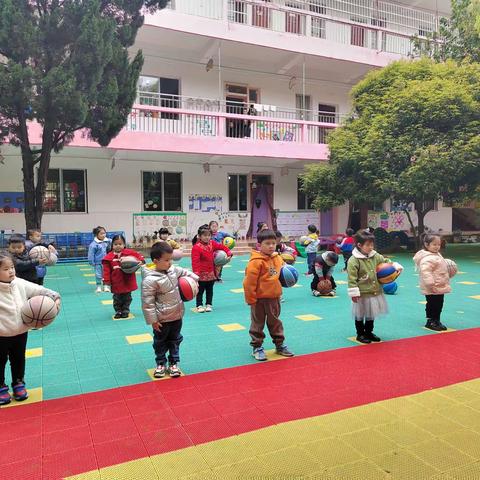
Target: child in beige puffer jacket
[[434, 279]]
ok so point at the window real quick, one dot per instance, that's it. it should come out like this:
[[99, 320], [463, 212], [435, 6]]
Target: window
[[162, 191], [66, 191], [237, 193], [430, 205], [294, 22], [303, 107], [326, 114], [303, 202], [237, 11], [159, 92], [358, 36]]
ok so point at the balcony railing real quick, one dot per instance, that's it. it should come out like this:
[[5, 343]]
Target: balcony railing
[[372, 24], [217, 124]]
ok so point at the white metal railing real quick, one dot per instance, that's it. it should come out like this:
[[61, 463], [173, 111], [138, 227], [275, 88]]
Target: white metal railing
[[215, 105], [179, 121]]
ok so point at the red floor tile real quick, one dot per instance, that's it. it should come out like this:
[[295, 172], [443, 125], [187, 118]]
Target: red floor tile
[[183, 396], [107, 431], [170, 385], [59, 441], [30, 469], [247, 420], [217, 390], [119, 451], [20, 412], [194, 412], [65, 420], [158, 420], [208, 430], [18, 451], [146, 404], [166, 440], [20, 428], [99, 398], [265, 396], [231, 404], [140, 390], [108, 411], [282, 411], [60, 405], [68, 463]]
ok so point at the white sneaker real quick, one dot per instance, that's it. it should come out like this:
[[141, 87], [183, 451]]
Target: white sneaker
[[201, 309], [106, 288], [99, 289], [208, 308]]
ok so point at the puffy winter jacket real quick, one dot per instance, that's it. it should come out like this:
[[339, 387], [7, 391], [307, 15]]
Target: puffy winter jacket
[[97, 250], [202, 259], [12, 297], [25, 267], [433, 271], [113, 275], [161, 301]]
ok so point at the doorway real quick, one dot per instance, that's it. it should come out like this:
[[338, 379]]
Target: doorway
[[261, 201]]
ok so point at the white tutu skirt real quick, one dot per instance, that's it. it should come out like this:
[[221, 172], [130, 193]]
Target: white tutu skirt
[[370, 307]]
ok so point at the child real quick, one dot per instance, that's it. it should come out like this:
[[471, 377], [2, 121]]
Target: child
[[34, 239], [346, 246], [163, 308], [14, 292], [324, 265], [368, 300], [25, 267], [281, 247], [261, 226], [217, 234], [262, 292], [121, 284], [204, 267], [311, 248], [434, 279], [96, 251], [163, 234]]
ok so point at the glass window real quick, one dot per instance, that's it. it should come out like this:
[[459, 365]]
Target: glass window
[[303, 202], [172, 188], [52, 191], [148, 88], [237, 192], [162, 191], [152, 191], [74, 198]]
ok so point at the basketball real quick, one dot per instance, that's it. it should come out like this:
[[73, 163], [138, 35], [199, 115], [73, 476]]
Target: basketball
[[386, 273], [229, 242], [53, 260], [324, 286], [451, 267], [220, 258], [288, 276], [177, 254], [38, 312], [390, 288], [305, 240], [130, 264], [39, 252], [188, 288], [288, 258]]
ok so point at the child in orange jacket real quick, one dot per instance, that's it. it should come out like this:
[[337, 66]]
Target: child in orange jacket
[[262, 292]]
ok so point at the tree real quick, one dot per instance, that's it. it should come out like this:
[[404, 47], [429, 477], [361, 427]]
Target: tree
[[66, 66], [413, 136]]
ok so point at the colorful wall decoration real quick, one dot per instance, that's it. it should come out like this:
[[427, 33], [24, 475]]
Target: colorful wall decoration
[[271, 131], [389, 221], [12, 202], [294, 224], [145, 224]]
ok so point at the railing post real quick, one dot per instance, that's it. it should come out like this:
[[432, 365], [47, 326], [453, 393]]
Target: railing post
[[225, 10], [221, 126], [302, 132]]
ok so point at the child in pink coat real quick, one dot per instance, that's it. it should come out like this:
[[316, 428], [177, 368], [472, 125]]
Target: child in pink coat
[[434, 279]]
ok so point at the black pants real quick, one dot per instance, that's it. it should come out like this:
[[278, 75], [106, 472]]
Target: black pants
[[208, 288], [168, 339], [13, 349], [121, 302], [434, 306], [40, 281], [346, 257]]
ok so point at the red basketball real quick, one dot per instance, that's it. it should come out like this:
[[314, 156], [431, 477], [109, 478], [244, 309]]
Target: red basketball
[[38, 312], [324, 286], [188, 288]]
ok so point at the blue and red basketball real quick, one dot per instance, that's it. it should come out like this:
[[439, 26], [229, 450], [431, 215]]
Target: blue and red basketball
[[390, 288], [188, 288], [386, 273], [288, 276]]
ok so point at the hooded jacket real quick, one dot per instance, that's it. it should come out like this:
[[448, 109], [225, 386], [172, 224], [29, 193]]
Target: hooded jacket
[[433, 271], [202, 259], [13, 295], [113, 275], [97, 250], [25, 267], [161, 301], [262, 277]]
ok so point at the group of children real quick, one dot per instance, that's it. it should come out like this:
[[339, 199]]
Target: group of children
[[163, 307]]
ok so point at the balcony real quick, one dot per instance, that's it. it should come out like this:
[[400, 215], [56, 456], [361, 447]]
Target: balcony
[[370, 24]]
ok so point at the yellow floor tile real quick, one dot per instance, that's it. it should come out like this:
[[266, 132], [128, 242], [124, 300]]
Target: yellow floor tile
[[403, 465], [434, 423], [107, 302], [362, 470], [241, 271], [308, 317], [374, 414], [237, 290], [466, 441], [332, 452], [468, 283], [297, 285], [432, 400], [404, 407], [340, 423], [473, 385], [34, 395], [136, 470], [404, 433], [459, 393], [448, 330], [466, 472], [475, 297], [88, 274], [177, 464], [292, 461], [227, 266], [166, 377], [142, 338], [230, 327], [369, 442], [85, 269], [423, 302], [92, 283], [354, 340], [466, 416], [228, 450], [34, 352], [250, 468], [93, 475], [302, 431], [272, 355], [131, 316]]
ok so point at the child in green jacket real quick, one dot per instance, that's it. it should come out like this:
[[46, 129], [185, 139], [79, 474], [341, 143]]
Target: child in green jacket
[[368, 300]]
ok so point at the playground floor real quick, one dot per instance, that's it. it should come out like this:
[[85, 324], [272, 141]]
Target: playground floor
[[407, 408]]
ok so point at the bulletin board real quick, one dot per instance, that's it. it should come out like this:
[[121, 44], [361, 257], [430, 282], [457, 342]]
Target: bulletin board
[[294, 224], [145, 224]]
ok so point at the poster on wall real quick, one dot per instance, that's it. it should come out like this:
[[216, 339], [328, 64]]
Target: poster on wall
[[294, 224], [389, 221], [12, 202], [146, 224]]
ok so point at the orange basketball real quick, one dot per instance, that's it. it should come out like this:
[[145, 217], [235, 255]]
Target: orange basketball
[[324, 286]]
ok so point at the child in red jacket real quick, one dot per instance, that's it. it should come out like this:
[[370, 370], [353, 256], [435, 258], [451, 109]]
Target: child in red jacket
[[203, 266], [122, 284]]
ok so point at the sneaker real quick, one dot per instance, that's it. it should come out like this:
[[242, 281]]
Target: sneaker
[[5, 397], [219, 280], [315, 293], [201, 309], [118, 315], [174, 371], [331, 294], [282, 300], [160, 371], [106, 288], [125, 314], [433, 325], [259, 354], [284, 351], [442, 326], [99, 289], [208, 308], [372, 337], [363, 339], [19, 392]]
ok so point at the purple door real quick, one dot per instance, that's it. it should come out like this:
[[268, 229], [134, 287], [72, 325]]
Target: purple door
[[326, 223], [262, 210]]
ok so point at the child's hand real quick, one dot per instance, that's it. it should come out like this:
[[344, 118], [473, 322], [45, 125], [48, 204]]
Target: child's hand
[[157, 326], [42, 261], [52, 249], [355, 299]]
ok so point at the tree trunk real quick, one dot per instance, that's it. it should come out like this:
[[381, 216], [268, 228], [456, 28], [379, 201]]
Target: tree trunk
[[350, 211], [31, 220]]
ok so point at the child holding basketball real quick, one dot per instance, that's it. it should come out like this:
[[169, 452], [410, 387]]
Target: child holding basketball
[[368, 300], [203, 265], [25, 267], [121, 284], [217, 234], [163, 234], [14, 292], [262, 292], [34, 239], [311, 247], [96, 251], [163, 308], [324, 266], [434, 279], [346, 245]]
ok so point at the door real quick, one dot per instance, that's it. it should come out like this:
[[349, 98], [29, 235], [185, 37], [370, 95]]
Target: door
[[235, 105], [261, 208], [326, 114], [293, 21], [326, 223], [357, 35], [261, 15]]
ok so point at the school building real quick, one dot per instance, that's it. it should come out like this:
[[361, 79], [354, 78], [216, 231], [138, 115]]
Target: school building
[[235, 98]]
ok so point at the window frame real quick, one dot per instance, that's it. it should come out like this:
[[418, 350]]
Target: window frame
[[307, 199], [61, 198], [162, 173], [238, 175]]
